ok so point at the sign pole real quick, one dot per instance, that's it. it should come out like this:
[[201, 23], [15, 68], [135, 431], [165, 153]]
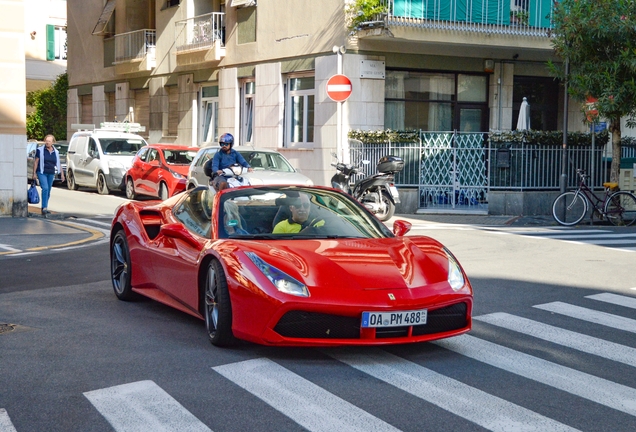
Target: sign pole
[[340, 149]]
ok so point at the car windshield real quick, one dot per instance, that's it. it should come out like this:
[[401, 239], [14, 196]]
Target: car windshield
[[291, 212], [121, 146], [270, 161], [178, 156]]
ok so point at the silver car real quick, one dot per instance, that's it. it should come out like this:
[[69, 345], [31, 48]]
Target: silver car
[[270, 168], [62, 148]]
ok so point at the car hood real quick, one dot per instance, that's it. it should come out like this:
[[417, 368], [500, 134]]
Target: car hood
[[358, 264], [181, 169], [266, 177]]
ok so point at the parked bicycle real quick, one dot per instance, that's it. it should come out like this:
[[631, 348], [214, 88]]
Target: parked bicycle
[[618, 207]]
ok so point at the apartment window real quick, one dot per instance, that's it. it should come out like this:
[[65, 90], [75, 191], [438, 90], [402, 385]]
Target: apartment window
[[248, 91], [435, 101], [55, 42], [209, 113], [300, 111]]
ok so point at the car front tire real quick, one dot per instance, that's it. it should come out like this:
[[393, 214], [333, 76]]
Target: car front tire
[[130, 189], [102, 187], [121, 268], [163, 192], [70, 180], [217, 306]]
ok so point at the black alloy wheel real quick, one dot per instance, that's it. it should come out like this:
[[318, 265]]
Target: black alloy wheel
[[218, 309], [70, 180], [120, 267], [102, 187]]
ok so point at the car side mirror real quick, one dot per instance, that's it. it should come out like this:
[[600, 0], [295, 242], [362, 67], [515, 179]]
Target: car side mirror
[[154, 162], [401, 227], [94, 154]]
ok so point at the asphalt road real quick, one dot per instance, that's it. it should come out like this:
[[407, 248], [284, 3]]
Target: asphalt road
[[79, 359]]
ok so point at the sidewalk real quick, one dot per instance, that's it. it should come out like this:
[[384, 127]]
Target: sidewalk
[[36, 233]]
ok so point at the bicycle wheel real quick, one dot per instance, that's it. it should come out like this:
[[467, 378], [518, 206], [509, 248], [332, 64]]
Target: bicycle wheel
[[620, 209], [569, 208]]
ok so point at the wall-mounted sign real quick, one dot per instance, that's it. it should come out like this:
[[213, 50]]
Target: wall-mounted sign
[[372, 69]]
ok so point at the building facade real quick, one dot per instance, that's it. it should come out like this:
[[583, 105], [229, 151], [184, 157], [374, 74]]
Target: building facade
[[191, 70]]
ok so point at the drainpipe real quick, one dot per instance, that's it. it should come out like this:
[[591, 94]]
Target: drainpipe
[[500, 83], [564, 152]]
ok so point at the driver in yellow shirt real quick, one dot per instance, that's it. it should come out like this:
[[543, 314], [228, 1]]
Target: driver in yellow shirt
[[300, 219]]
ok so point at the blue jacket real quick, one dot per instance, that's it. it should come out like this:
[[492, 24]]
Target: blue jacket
[[222, 160]]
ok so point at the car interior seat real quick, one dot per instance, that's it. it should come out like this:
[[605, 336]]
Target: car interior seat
[[256, 163]]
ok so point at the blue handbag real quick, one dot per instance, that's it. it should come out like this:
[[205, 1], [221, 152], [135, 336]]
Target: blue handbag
[[32, 194]]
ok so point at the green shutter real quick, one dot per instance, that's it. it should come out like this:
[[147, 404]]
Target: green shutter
[[50, 42]]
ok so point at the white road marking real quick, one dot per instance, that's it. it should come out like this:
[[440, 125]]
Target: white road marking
[[590, 315], [8, 248], [616, 299], [143, 406], [472, 404], [96, 222], [599, 390], [5, 422], [567, 338], [106, 232], [307, 404]]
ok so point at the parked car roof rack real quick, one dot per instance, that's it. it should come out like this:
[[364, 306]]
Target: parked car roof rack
[[110, 126]]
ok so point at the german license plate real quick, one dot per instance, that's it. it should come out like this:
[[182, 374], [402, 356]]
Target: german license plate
[[394, 319], [393, 191]]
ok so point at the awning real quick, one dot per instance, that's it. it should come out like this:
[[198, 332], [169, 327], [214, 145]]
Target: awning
[[107, 13]]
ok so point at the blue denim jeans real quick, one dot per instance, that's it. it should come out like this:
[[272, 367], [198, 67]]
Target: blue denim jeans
[[46, 183]]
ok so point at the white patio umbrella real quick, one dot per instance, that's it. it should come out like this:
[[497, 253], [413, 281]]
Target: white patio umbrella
[[523, 122]]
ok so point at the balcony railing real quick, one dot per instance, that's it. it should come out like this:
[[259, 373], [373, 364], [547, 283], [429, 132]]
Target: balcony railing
[[506, 17], [200, 32], [134, 45]]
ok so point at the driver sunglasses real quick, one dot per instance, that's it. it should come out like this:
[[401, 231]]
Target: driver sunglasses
[[224, 144], [303, 205]]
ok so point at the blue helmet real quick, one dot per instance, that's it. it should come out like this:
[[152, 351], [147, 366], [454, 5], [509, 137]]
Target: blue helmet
[[226, 138]]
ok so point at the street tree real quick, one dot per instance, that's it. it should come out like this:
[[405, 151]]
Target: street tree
[[49, 115], [598, 40]]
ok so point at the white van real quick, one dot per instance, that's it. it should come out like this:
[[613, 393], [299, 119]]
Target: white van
[[99, 158]]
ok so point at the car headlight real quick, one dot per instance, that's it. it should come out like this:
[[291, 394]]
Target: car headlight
[[455, 276], [176, 174], [281, 280], [309, 182], [115, 164]]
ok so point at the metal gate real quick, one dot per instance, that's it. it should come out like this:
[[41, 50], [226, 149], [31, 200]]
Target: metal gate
[[453, 171]]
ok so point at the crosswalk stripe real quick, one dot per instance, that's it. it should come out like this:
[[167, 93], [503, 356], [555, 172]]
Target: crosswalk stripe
[[570, 339], [490, 412], [616, 299], [610, 241], [299, 399], [599, 390], [5, 422], [143, 406], [590, 315]]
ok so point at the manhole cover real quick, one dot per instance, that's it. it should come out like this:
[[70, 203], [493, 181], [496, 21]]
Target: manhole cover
[[6, 328]]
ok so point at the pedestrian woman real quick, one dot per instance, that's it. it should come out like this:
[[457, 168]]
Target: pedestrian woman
[[47, 158]]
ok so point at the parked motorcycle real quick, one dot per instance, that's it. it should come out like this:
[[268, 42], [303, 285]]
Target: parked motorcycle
[[376, 192]]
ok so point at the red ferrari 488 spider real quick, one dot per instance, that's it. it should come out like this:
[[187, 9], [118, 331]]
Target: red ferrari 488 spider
[[288, 265]]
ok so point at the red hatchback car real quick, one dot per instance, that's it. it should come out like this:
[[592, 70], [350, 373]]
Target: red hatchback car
[[159, 170]]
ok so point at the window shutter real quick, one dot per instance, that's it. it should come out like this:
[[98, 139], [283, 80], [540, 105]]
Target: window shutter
[[50, 42]]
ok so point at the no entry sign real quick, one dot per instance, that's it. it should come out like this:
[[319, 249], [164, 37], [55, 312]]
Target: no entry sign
[[339, 88]]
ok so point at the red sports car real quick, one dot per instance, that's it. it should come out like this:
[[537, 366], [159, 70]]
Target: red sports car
[[288, 265], [159, 170]]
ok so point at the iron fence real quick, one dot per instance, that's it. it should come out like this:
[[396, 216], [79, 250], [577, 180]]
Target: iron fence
[[134, 45], [200, 32], [451, 168]]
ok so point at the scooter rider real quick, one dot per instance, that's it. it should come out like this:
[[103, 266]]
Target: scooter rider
[[224, 158]]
